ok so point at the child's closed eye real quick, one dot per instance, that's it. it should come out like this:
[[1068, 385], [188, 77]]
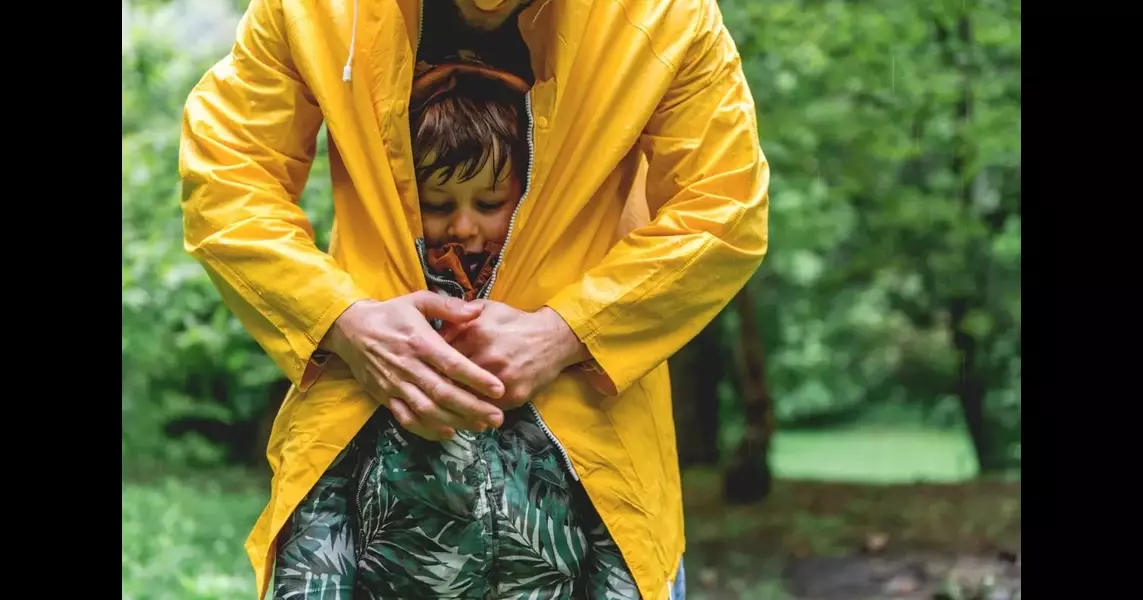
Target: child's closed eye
[[490, 205]]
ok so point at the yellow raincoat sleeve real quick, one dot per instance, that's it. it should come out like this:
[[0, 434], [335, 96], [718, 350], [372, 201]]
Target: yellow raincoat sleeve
[[249, 136], [707, 188]]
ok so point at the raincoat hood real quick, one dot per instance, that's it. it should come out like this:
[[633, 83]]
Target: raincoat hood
[[644, 212]]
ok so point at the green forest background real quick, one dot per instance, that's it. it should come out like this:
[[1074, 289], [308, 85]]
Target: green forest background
[[859, 399]]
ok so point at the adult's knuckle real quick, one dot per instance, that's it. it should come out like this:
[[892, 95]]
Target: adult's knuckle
[[373, 348], [385, 378], [403, 418], [417, 343], [505, 363], [450, 364], [415, 404], [434, 390]]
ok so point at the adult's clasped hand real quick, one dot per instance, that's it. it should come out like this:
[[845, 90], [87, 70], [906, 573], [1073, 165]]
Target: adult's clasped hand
[[400, 360], [526, 351]]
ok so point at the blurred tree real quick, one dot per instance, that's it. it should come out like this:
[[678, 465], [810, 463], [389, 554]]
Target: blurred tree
[[893, 278], [748, 477], [696, 372], [895, 207]]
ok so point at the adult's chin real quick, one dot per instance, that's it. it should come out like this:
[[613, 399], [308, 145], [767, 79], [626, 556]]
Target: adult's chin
[[486, 15]]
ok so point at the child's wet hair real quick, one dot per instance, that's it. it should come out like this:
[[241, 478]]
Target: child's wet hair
[[463, 127]]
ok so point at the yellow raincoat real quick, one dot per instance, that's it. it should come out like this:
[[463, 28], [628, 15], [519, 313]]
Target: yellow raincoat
[[629, 94]]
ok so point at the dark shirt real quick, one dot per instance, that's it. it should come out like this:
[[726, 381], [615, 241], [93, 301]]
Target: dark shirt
[[446, 38]]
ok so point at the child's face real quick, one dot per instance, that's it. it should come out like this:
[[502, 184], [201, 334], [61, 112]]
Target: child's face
[[471, 212]]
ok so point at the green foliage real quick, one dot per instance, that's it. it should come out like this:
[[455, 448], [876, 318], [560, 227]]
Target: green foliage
[[889, 208], [184, 354], [888, 204], [184, 540]]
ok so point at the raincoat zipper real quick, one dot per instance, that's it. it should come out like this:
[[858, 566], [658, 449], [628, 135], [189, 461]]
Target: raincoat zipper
[[511, 227], [422, 251], [361, 482], [487, 291], [420, 28]]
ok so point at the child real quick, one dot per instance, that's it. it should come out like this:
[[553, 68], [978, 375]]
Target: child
[[471, 149], [484, 515]]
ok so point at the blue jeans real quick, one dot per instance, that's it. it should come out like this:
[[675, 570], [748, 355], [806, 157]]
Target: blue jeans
[[679, 589]]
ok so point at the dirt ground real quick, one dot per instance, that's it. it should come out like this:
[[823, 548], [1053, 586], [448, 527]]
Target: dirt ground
[[834, 541]]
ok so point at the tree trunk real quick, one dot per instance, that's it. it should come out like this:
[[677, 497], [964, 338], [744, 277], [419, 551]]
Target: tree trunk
[[696, 372], [748, 478], [970, 386]]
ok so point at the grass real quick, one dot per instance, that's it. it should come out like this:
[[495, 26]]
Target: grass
[[183, 539], [874, 455], [183, 535]]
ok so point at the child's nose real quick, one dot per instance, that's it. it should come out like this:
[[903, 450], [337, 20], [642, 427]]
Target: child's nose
[[463, 227]]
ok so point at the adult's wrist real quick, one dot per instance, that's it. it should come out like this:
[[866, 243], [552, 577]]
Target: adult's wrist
[[568, 348], [338, 339]]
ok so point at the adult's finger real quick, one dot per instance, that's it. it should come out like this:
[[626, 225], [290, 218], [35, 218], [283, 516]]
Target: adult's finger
[[450, 331], [470, 345], [446, 308], [452, 396], [409, 378], [432, 349], [428, 411], [410, 422]]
